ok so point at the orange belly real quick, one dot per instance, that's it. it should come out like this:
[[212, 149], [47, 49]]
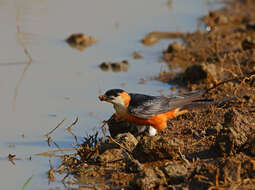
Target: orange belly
[[159, 122]]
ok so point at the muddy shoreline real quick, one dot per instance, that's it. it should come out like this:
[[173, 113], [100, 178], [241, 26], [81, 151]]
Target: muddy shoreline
[[209, 148]]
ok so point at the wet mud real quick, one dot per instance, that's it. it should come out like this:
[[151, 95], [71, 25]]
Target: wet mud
[[121, 66], [209, 148], [80, 41]]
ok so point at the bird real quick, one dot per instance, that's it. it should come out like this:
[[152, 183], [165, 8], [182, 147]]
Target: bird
[[150, 111]]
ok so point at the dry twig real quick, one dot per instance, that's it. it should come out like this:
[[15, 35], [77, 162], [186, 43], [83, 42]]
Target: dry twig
[[22, 43], [69, 129], [52, 152], [49, 133]]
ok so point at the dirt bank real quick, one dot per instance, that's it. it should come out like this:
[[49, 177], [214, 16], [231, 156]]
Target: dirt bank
[[210, 148]]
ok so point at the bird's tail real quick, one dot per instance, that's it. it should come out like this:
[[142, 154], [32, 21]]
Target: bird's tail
[[206, 102], [194, 95]]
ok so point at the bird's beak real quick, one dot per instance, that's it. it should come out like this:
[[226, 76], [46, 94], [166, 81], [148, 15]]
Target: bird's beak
[[102, 98]]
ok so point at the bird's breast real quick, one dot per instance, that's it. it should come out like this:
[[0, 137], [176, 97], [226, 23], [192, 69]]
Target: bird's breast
[[123, 113], [159, 121]]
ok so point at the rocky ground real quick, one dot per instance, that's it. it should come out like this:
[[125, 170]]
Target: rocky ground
[[209, 148]]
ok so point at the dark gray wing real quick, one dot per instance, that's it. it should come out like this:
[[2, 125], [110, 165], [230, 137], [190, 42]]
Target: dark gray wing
[[144, 106]]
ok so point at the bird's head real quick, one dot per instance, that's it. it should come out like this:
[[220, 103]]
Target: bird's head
[[116, 97]]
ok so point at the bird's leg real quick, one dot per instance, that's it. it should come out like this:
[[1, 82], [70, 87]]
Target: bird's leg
[[143, 129], [152, 131]]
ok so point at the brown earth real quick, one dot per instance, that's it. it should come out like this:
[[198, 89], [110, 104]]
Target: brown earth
[[121, 66], [80, 41], [209, 148]]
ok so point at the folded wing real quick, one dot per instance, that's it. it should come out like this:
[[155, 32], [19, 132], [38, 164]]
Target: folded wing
[[145, 107]]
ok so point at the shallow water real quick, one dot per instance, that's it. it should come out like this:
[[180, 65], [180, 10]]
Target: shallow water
[[62, 82]]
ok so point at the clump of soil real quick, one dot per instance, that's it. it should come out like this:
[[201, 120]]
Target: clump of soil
[[233, 134], [137, 55], [121, 66], [154, 37], [80, 41], [157, 148], [209, 148]]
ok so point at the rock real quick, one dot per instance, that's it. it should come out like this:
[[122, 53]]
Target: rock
[[127, 140], [150, 178], [157, 148], [174, 172], [233, 134], [175, 47]]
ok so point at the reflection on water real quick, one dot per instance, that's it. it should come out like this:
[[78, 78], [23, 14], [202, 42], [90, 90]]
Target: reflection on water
[[46, 80]]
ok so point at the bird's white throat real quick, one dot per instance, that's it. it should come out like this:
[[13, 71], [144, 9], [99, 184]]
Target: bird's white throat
[[118, 101], [120, 109]]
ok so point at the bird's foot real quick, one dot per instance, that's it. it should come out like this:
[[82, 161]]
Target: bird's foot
[[146, 130], [152, 131]]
